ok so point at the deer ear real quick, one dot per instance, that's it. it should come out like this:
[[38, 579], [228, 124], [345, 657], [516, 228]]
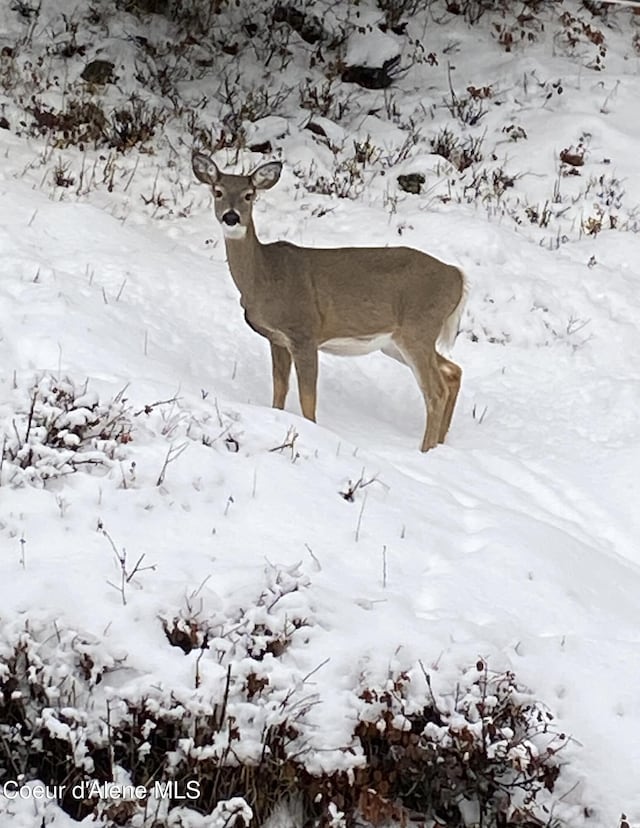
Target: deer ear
[[266, 175], [205, 169]]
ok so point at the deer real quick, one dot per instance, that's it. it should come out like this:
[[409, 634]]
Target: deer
[[346, 301]]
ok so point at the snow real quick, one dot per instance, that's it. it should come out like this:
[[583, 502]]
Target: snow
[[370, 47], [516, 541]]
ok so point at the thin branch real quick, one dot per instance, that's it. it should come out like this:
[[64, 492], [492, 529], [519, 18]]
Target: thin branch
[[172, 454], [359, 524], [148, 408], [315, 670]]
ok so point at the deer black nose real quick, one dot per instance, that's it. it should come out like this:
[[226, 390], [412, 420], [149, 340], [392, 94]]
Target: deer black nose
[[231, 218]]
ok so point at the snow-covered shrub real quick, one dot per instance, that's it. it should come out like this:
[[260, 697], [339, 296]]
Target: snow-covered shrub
[[479, 750], [47, 730], [346, 180], [578, 36], [484, 755], [265, 628], [245, 720], [54, 427], [236, 729], [82, 123]]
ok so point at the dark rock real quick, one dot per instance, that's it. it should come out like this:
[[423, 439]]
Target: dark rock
[[372, 77], [315, 128], [411, 183], [98, 71], [264, 147]]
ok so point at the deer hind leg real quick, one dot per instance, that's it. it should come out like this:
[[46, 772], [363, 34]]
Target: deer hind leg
[[305, 358], [452, 374], [281, 370], [424, 362]]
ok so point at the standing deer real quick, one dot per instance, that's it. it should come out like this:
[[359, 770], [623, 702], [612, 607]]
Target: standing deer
[[347, 301]]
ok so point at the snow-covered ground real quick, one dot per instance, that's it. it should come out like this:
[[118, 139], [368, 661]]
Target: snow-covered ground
[[517, 541]]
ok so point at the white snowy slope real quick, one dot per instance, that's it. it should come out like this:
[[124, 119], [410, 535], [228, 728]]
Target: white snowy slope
[[517, 540]]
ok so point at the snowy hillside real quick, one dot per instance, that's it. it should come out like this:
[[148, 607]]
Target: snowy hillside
[[175, 551]]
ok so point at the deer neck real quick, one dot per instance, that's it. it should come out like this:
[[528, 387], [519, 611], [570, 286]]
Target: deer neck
[[244, 256]]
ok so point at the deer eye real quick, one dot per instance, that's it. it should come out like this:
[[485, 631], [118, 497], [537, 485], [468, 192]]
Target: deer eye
[[248, 196], [217, 193]]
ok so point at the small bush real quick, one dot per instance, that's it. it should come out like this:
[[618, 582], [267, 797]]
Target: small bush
[[347, 178], [462, 154], [468, 109], [488, 186], [44, 671], [486, 756], [576, 35], [81, 122], [325, 99], [133, 125], [58, 429], [84, 122]]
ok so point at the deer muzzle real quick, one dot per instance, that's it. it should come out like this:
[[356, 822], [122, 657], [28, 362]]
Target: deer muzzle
[[231, 218]]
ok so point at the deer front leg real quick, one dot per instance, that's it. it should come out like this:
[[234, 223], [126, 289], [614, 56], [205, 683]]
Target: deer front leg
[[281, 370], [305, 358]]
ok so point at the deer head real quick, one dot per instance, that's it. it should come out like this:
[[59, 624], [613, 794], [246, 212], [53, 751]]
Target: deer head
[[234, 194]]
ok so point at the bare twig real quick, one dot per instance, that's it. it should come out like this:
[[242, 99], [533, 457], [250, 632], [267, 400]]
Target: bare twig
[[479, 417], [315, 670], [352, 488], [148, 408], [125, 574], [172, 454], [290, 443], [317, 563], [120, 291], [2, 452], [204, 646], [359, 524], [225, 699]]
